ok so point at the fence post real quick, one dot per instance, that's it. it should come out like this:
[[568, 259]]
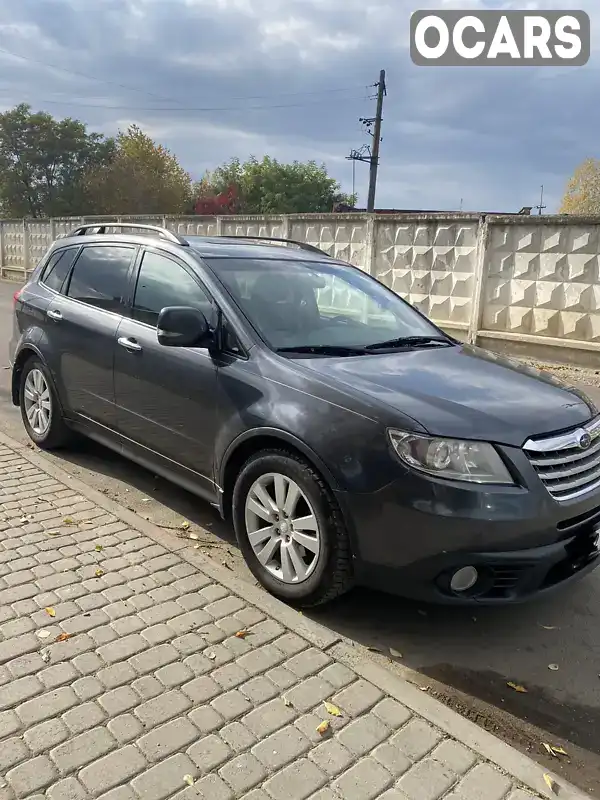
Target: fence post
[[286, 227], [219, 223], [1, 248], [480, 276], [370, 245], [26, 249], [52, 229]]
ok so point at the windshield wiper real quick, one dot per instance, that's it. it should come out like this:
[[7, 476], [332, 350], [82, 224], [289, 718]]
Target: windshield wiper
[[408, 341], [325, 350]]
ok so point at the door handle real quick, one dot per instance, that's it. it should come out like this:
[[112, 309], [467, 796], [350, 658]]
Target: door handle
[[129, 344], [53, 314]]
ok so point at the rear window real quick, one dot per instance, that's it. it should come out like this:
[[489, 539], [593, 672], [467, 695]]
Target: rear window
[[58, 268], [100, 276]]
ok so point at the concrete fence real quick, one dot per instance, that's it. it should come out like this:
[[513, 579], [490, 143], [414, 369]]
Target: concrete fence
[[522, 285]]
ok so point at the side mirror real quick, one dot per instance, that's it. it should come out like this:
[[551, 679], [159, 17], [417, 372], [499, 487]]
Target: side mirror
[[180, 326]]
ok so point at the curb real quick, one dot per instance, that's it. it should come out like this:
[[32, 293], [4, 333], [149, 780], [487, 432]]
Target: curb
[[514, 763]]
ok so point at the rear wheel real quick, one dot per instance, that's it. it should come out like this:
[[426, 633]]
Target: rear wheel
[[290, 530], [40, 409]]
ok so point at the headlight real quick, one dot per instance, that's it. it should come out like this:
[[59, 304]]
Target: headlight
[[476, 462]]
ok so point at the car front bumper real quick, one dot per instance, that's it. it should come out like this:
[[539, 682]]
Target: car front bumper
[[411, 536]]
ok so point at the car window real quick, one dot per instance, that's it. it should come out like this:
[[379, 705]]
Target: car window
[[100, 276], [163, 282], [317, 304], [230, 342], [58, 268]]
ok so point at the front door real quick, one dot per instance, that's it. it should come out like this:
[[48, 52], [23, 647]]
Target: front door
[[80, 330], [166, 396]]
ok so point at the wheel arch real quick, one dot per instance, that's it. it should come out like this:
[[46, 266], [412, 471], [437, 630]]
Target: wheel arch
[[251, 442], [27, 351]]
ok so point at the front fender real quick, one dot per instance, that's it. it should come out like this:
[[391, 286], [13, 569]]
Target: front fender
[[286, 438], [26, 347]]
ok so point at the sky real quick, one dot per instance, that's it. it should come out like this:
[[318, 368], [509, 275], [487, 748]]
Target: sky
[[216, 79]]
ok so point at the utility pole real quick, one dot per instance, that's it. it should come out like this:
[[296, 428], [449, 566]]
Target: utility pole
[[370, 154], [376, 140], [541, 205]]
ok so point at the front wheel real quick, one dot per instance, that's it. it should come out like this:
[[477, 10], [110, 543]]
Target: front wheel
[[290, 530], [40, 409]]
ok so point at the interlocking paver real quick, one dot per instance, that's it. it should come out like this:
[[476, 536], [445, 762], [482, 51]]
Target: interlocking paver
[[154, 691]]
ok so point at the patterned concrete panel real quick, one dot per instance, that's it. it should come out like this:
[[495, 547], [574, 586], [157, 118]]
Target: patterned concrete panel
[[13, 243], [253, 226], [343, 237], [543, 280], [430, 263], [193, 226]]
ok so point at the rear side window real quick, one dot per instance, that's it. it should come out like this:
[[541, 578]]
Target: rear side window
[[58, 268], [100, 276], [163, 282]]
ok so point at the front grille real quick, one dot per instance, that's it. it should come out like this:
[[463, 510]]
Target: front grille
[[567, 468]]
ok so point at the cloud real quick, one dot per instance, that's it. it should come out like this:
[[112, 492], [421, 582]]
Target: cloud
[[212, 79]]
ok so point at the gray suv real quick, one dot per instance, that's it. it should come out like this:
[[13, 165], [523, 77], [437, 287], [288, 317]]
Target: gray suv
[[347, 437]]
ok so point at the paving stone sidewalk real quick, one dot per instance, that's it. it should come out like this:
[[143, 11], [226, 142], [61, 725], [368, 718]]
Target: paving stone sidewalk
[[122, 677]]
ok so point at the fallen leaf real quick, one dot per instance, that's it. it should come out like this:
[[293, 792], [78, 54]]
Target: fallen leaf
[[241, 634], [331, 709], [424, 688], [553, 667], [287, 702], [323, 727], [184, 525], [517, 688], [554, 751], [549, 627], [551, 783], [44, 634], [395, 653], [45, 654], [87, 522], [145, 499], [98, 548], [69, 521], [374, 649], [50, 611], [99, 573], [193, 536], [63, 637], [23, 520], [53, 533], [188, 779], [212, 656]]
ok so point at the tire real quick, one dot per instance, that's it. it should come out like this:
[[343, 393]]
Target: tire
[[55, 434], [327, 560]]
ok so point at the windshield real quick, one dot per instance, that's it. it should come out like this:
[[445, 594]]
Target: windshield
[[317, 304]]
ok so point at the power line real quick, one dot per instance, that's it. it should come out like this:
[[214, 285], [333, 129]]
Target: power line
[[169, 99], [194, 109]]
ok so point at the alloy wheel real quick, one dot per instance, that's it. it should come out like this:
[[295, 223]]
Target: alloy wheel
[[282, 528], [38, 402]]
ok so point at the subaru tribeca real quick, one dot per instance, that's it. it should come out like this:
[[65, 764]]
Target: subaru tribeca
[[348, 438]]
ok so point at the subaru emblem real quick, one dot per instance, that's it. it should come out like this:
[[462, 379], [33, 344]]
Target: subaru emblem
[[585, 441]]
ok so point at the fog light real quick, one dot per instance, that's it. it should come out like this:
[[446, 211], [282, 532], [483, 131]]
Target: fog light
[[464, 579]]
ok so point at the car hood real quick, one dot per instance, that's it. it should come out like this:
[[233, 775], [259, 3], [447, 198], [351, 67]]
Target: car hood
[[462, 392]]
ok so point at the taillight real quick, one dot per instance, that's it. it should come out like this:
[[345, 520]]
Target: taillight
[[16, 296]]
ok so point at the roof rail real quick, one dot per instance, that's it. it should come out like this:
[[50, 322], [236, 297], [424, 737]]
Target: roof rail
[[302, 245], [164, 232]]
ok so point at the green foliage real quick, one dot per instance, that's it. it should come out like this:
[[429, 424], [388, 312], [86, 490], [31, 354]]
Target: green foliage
[[583, 190], [143, 177], [270, 187], [43, 163]]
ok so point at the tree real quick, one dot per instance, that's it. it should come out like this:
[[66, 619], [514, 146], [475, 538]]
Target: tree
[[143, 177], [583, 190], [44, 161], [270, 187]]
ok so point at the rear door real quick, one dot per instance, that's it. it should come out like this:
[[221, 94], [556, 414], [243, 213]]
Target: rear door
[[81, 330], [166, 396]]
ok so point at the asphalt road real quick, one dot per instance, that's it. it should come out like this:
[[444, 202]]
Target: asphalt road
[[464, 657]]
